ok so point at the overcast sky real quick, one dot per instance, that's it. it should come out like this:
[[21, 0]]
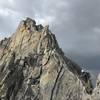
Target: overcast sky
[[76, 24]]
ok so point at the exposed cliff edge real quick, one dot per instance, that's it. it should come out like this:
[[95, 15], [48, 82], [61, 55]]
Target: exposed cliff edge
[[33, 67]]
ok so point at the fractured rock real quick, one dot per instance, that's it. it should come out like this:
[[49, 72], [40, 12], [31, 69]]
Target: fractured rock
[[33, 67]]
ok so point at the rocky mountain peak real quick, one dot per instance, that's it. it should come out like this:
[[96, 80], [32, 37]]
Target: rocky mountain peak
[[33, 67], [25, 30], [29, 25]]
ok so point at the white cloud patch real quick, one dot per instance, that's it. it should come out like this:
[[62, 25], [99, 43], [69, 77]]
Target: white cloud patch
[[46, 20]]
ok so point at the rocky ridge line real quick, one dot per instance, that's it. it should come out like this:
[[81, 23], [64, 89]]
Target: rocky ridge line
[[33, 67]]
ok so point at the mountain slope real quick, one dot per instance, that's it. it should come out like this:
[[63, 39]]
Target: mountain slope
[[33, 67]]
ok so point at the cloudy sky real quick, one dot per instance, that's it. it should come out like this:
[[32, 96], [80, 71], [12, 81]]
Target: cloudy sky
[[76, 24]]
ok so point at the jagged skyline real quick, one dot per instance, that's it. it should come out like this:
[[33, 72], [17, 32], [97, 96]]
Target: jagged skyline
[[76, 24], [34, 67]]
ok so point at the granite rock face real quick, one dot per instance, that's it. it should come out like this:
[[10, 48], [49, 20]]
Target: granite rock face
[[96, 91], [33, 67]]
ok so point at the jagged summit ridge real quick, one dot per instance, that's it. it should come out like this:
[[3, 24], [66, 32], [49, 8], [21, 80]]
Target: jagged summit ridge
[[33, 67], [25, 30]]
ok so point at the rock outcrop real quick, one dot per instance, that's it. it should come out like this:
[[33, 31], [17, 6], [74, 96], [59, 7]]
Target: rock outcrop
[[33, 67], [96, 91]]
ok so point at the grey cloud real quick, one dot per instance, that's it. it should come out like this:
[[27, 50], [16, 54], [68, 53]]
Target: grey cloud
[[5, 25], [74, 24], [90, 63]]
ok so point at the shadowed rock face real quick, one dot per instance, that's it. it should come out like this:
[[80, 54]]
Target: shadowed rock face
[[3, 45], [33, 67]]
